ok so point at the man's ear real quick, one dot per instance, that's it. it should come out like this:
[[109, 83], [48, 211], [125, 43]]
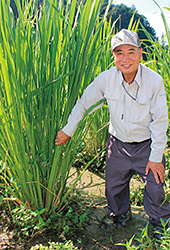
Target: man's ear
[[141, 51]]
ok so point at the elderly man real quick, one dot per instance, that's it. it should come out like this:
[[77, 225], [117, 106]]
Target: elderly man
[[138, 123]]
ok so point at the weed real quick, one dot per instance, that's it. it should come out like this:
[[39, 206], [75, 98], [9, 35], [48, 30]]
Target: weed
[[53, 245], [144, 241]]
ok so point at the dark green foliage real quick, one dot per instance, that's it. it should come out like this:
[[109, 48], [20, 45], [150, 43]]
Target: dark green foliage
[[124, 14], [26, 222]]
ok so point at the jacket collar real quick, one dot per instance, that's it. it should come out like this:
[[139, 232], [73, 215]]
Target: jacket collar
[[138, 77]]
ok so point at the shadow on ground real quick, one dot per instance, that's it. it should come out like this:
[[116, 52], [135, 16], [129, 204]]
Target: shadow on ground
[[101, 232]]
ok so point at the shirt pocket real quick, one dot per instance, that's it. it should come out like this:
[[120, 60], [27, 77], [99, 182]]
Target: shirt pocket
[[141, 111], [115, 103]]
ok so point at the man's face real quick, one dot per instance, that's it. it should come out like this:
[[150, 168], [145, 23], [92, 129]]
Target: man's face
[[127, 59]]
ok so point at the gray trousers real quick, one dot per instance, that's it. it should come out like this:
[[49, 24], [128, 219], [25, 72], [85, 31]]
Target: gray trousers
[[122, 162]]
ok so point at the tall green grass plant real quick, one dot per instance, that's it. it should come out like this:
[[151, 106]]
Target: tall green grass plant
[[46, 60]]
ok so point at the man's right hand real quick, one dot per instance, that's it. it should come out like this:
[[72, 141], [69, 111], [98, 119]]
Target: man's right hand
[[61, 138]]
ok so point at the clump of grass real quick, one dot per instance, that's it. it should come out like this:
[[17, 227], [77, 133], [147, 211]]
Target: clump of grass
[[47, 58]]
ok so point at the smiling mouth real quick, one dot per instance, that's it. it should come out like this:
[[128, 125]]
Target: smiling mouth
[[126, 65]]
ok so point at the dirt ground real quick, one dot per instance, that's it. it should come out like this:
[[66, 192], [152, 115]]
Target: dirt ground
[[99, 234]]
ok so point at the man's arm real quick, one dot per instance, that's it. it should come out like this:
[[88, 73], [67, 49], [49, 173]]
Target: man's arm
[[158, 128], [92, 94], [159, 124]]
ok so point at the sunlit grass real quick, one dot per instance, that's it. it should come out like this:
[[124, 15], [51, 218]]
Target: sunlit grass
[[46, 61]]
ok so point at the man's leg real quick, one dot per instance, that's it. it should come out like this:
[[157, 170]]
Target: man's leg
[[154, 201], [155, 204], [118, 174]]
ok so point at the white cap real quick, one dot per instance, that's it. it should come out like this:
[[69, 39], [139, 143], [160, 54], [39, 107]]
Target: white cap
[[125, 37]]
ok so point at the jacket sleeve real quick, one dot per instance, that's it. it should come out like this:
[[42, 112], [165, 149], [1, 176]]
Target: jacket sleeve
[[159, 123], [92, 94]]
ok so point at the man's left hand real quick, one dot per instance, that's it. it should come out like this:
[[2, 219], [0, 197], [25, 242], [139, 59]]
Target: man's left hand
[[158, 170]]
